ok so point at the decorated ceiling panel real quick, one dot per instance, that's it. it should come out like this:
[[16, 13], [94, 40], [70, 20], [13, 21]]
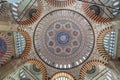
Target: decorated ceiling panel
[[26, 12], [63, 42], [32, 69], [58, 39], [101, 11]]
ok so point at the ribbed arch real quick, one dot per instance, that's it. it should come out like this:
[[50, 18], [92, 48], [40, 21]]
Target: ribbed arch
[[6, 44], [29, 14], [60, 3], [100, 43], [91, 11], [28, 43], [88, 65], [62, 76], [40, 65]]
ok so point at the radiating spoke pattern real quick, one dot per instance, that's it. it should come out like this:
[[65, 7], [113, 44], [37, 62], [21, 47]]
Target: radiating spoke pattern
[[101, 11], [60, 3], [6, 48], [64, 41], [26, 72], [25, 43], [88, 65], [62, 76], [100, 43]]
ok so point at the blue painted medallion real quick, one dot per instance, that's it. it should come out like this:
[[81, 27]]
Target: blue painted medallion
[[3, 46], [63, 38]]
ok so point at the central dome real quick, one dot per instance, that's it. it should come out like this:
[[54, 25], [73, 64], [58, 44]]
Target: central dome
[[63, 39]]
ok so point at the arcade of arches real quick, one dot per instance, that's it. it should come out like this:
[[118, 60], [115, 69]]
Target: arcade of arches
[[59, 39]]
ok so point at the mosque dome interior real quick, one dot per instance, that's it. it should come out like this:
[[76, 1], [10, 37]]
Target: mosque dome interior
[[59, 39]]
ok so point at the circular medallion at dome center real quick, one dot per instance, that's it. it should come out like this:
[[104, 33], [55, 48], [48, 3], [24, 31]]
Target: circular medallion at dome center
[[63, 38], [63, 41]]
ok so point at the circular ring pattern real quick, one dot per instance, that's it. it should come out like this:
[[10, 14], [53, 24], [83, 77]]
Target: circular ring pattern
[[60, 3], [29, 14], [5, 48], [62, 76], [88, 65], [100, 44], [40, 65], [62, 38], [64, 42]]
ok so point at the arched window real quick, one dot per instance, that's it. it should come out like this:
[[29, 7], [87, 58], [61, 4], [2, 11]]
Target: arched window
[[20, 43], [109, 42]]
